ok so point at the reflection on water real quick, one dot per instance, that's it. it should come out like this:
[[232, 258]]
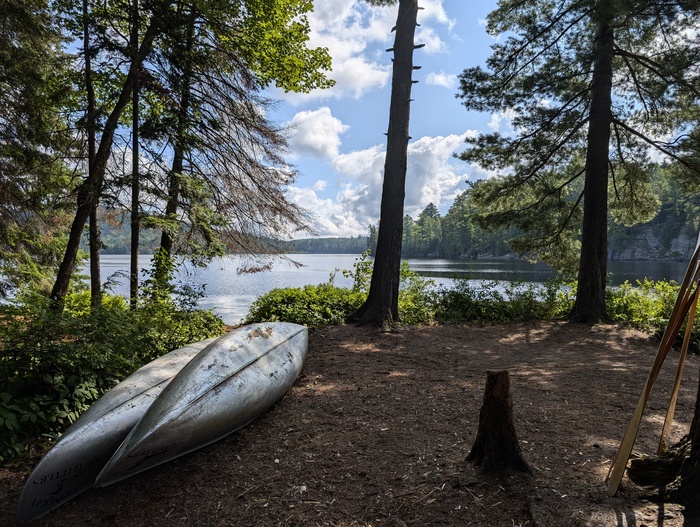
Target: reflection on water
[[518, 270], [231, 293], [512, 270]]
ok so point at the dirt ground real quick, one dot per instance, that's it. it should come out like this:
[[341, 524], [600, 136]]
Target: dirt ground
[[376, 429]]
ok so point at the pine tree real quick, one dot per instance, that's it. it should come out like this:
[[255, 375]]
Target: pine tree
[[592, 86], [35, 141]]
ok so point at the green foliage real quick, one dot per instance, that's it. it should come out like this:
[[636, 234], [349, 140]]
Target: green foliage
[[326, 304], [35, 184], [417, 299], [276, 33], [501, 301], [646, 306], [362, 272], [311, 305], [53, 366]]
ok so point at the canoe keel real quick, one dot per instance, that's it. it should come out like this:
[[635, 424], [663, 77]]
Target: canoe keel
[[225, 387]]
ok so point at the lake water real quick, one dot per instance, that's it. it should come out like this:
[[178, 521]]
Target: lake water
[[230, 293]]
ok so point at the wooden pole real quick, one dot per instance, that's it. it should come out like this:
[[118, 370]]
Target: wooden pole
[[668, 421]]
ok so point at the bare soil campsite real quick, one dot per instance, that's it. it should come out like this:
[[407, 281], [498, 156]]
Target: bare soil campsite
[[376, 430]]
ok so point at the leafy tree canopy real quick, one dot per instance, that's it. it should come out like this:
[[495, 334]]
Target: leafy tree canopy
[[34, 138]]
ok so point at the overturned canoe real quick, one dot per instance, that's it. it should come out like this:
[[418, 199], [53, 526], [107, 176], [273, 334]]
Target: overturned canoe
[[73, 463], [223, 388]]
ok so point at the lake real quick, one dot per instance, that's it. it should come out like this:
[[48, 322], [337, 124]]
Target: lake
[[230, 293]]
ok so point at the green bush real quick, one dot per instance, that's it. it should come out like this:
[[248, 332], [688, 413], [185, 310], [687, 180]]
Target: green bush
[[312, 305], [647, 306], [502, 301], [418, 297], [326, 304]]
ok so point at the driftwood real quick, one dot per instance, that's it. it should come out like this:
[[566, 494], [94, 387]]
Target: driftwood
[[496, 446]]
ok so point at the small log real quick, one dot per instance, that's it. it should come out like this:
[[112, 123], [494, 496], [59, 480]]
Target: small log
[[496, 447]]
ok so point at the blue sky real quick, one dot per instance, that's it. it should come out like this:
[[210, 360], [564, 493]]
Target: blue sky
[[337, 139]]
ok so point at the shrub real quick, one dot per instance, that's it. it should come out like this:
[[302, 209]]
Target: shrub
[[418, 297], [501, 301], [647, 306], [312, 305], [326, 304]]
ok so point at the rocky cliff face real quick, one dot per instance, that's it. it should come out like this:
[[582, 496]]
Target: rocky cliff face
[[646, 244]]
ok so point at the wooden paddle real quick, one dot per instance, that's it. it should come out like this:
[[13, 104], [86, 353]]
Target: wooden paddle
[[680, 310], [668, 421]]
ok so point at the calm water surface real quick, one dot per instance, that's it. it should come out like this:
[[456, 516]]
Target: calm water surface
[[230, 293]]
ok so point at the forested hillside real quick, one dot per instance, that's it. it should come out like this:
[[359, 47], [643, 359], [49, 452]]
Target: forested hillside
[[670, 235]]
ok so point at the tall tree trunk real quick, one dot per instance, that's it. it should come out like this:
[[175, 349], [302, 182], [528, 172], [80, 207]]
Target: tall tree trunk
[[95, 279], [590, 295], [173, 202], [135, 182], [90, 190], [382, 305]]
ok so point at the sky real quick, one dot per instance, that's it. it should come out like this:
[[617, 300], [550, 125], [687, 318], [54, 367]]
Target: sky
[[337, 140]]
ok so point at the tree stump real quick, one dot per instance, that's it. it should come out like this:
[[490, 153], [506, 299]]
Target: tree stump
[[496, 446]]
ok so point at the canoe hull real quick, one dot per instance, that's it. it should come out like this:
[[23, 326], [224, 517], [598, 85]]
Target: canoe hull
[[225, 387], [73, 463]]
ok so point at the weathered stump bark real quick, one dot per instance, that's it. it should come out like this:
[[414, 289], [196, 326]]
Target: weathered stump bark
[[496, 446]]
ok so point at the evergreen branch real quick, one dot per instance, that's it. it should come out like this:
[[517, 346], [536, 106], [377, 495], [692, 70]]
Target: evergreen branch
[[543, 161], [653, 143], [612, 174], [619, 142], [560, 110], [657, 69], [513, 56], [637, 86], [551, 238]]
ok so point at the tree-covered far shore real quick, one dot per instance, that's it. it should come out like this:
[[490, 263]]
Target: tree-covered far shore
[[670, 235]]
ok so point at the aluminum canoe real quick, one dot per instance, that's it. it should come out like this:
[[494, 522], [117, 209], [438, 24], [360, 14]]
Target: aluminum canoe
[[75, 460], [226, 386]]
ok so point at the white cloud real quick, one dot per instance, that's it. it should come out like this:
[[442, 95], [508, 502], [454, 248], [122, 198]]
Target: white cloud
[[356, 35], [316, 133], [432, 41], [442, 79], [348, 30], [433, 175], [356, 76], [502, 122], [434, 10], [328, 217]]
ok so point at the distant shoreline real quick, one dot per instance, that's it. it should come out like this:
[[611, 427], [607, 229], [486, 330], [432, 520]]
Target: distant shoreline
[[508, 256]]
